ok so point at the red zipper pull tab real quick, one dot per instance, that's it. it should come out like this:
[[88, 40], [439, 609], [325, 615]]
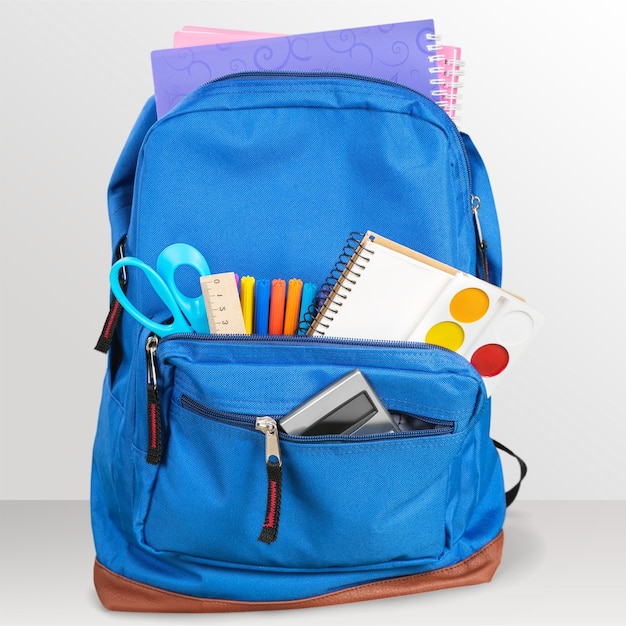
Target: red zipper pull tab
[[273, 463], [154, 406], [115, 310]]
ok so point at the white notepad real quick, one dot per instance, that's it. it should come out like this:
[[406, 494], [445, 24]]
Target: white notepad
[[387, 291]]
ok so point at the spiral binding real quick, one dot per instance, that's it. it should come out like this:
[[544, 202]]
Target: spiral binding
[[432, 47], [446, 85], [349, 266], [436, 62]]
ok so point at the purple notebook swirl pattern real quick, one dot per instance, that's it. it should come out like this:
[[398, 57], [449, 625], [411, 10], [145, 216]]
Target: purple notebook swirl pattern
[[402, 53]]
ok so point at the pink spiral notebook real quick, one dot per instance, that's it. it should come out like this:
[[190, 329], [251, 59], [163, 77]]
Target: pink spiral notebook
[[404, 53]]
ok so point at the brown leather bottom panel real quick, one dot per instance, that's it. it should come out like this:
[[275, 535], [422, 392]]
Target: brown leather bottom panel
[[118, 593]]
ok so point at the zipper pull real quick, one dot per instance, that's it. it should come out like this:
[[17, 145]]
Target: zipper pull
[[482, 244], [269, 426], [115, 310], [273, 463], [154, 406]]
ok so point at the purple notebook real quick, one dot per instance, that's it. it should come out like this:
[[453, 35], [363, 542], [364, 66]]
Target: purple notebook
[[402, 53]]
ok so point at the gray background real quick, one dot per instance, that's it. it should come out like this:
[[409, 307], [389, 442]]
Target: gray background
[[543, 100]]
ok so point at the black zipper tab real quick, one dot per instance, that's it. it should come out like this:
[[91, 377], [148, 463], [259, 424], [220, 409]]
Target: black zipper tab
[[154, 406], [273, 463], [115, 309], [481, 244]]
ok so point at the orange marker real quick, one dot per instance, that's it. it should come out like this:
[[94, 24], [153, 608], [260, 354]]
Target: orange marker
[[292, 308], [277, 307]]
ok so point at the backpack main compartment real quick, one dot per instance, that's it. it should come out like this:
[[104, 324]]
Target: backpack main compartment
[[267, 175]]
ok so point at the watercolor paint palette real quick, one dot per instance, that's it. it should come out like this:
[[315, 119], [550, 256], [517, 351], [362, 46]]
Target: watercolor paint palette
[[487, 325], [390, 292]]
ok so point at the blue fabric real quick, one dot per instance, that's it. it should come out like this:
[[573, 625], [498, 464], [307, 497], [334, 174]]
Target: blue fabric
[[488, 217], [267, 176], [120, 193]]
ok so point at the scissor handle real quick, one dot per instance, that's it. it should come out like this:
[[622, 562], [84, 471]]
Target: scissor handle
[[178, 325], [170, 259]]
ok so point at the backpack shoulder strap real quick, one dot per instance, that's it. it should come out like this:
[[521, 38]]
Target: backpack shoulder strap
[[120, 193], [120, 202]]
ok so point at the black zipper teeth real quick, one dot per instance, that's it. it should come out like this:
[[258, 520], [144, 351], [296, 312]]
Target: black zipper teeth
[[371, 79], [240, 419], [297, 339], [247, 421], [277, 74]]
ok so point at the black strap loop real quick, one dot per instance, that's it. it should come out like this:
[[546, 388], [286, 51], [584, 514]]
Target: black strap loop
[[511, 494]]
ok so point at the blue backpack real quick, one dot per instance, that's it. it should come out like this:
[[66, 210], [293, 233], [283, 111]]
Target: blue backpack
[[267, 175]]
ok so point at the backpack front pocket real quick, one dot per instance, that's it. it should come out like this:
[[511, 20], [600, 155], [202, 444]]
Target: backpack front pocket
[[371, 501]]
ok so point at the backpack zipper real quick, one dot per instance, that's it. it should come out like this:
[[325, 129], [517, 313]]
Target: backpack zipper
[[267, 425], [326, 340], [153, 455], [154, 418], [429, 427], [115, 309], [273, 459], [347, 75], [273, 464], [115, 312], [481, 244]]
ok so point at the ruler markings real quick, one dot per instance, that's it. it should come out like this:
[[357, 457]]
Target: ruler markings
[[221, 299]]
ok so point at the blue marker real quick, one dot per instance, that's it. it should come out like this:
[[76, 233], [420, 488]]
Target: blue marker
[[309, 291], [262, 306]]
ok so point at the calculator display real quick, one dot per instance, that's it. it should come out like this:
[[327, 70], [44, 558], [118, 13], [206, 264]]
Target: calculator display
[[343, 417], [349, 406]]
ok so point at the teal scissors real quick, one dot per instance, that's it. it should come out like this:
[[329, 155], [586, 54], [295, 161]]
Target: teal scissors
[[189, 313]]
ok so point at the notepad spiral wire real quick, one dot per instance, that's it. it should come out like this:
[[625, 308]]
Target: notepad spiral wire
[[350, 263], [448, 68]]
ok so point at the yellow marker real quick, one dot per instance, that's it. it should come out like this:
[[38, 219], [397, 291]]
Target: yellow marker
[[292, 308], [247, 302]]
